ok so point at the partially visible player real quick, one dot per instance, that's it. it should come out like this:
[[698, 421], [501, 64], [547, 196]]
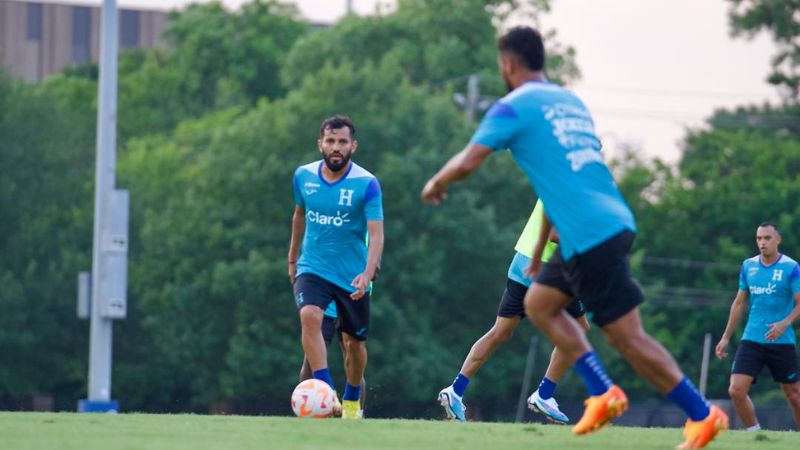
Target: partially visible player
[[509, 313], [330, 329], [337, 203], [551, 136], [769, 284]]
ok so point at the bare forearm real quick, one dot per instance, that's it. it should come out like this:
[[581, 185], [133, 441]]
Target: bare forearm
[[374, 252], [734, 317], [298, 230]]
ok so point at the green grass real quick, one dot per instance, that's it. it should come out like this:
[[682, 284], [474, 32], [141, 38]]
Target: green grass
[[65, 431]]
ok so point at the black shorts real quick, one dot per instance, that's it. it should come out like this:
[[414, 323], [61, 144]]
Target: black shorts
[[330, 326], [513, 302], [310, 289], [781, 359], [601, 278]]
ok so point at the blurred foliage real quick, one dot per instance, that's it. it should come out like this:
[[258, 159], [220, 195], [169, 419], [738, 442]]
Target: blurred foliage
[[211, 128]]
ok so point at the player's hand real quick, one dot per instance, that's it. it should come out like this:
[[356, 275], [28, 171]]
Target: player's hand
[[722, 348], [433, 192], [292, 271], [775, 330], [532, 271], [361, 283]]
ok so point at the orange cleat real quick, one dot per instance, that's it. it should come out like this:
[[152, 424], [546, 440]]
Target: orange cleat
[[699, 434], [600, 409]]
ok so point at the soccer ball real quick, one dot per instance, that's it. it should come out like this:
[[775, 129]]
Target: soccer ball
[[312, 398]]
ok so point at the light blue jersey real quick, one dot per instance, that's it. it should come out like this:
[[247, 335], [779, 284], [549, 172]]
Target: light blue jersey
[[336, 215], [551, 135], [516, 271], [772, 290], [331, 311]]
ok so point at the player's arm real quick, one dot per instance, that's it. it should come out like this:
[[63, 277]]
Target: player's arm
[[298, 231], [545, 232], [778, 328], [738, 307], [460, 166], [374, 252]]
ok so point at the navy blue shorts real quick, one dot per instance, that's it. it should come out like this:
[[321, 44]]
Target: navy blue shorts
[[513, 302], [310, 289], [781, 359], [600, 277]]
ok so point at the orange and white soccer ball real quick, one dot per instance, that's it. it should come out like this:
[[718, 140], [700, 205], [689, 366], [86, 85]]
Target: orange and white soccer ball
[[313, 398]]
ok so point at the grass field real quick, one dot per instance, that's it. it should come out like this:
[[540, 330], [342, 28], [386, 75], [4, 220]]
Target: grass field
[[65, 431]]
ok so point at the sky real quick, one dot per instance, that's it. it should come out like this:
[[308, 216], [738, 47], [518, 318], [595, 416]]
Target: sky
[[651, 69]]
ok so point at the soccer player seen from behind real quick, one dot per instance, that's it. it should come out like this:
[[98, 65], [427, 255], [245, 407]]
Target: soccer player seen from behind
[[330, 328], [509, 314], [551, 136], [337, 204], [769, 284]]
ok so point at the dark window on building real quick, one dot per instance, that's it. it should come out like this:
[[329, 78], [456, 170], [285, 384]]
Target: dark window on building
[[81, 33], [34, 12], [129, 29]]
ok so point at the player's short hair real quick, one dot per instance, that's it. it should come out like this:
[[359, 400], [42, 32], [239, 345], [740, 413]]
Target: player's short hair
[[770, 224], [526, 43], [336, 122]]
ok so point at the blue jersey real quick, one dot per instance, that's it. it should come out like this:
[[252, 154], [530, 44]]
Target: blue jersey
[[331, 311], [334, 246], [516, 271], [551, 136], [772, 290]]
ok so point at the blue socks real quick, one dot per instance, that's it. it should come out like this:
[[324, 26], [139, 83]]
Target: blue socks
[[351, 393], [689, 399], [460, 384], [324, 375], [594, 375], [546, 388]]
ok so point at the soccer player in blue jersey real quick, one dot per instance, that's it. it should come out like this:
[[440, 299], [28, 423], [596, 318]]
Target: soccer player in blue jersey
[[330, 329], [551, 136], [509, 314], [769, 284], [337, 204]]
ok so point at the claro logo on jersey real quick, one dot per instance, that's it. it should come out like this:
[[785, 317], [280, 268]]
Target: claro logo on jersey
[[760, 290], [338, 220]]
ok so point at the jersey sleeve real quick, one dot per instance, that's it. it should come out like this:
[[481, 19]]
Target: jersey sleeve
[[373, 201], [498, 128], [794, 279], [742, 279], [298, 195]]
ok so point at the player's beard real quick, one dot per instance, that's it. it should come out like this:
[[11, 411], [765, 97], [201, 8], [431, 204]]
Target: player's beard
[[335, 167]]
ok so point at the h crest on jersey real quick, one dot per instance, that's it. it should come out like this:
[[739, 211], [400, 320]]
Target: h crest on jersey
[[346, 195], [777, 275]]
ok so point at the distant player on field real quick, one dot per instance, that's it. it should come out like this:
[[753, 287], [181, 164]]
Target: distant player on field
[[337, 203], [769, 283], [551, 136], [509, 314]]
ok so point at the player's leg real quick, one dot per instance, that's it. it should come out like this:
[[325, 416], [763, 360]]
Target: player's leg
[[792, 393], [313, 296], [328, 330], [783, 363], [363, 397], [738, 390], [542, 399], [509, 313], [354, 322]]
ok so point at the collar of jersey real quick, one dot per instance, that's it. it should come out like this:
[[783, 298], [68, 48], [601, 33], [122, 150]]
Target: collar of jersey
[[319, 174], [780, 255]]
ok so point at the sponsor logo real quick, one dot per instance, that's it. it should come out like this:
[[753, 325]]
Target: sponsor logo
[[311, 184], [337, 221], [760, 290], [310, 191], [580, 158]]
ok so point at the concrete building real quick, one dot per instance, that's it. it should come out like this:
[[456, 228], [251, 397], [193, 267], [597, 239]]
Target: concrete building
[[38, 39]]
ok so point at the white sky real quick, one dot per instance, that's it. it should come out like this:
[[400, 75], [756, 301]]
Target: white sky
[[651, 68]]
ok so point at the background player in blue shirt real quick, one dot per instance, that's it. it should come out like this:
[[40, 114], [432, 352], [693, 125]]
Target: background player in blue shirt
[[769, 284], [551, 136], [337, 204]]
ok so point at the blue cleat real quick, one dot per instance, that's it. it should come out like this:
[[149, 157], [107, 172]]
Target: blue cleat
[[452, 404], [547, 407]]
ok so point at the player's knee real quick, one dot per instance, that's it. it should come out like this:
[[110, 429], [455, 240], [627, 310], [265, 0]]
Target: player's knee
[[355, 346], [737, 392], [793, 394], [311, 317]]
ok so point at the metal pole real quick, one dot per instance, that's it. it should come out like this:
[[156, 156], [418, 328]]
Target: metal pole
[[704, 363], [526, 379], [99, 398]]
